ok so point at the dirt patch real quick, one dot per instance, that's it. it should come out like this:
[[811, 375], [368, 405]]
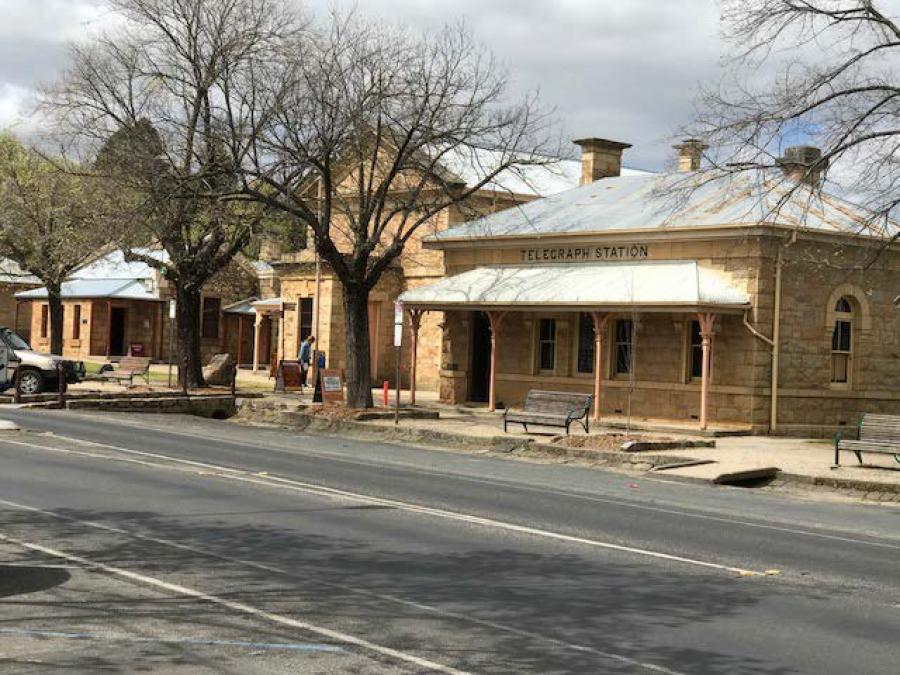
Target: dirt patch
[[338, 411], [604, 441]]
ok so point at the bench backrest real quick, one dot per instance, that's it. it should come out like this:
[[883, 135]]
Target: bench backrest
[[557, 402], [134, 364], [879, 427]]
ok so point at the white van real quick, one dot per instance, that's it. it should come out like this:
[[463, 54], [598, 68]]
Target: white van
[[38, 372]]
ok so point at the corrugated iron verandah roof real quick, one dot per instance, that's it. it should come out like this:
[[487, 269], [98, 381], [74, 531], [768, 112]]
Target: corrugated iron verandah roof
[[649, 286]]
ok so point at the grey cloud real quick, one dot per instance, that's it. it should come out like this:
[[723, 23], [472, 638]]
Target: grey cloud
[[624, 69]]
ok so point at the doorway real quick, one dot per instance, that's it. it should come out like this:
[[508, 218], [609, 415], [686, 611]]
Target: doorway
[[117, 316], [480, 371]]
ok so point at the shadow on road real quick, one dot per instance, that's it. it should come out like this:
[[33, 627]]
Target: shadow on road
[[618, 606], [18, 579]]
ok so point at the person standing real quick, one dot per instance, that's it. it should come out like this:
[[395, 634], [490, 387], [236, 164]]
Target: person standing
[[306, 355]]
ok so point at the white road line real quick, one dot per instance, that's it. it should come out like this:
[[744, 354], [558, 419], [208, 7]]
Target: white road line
[[263, 478], [236, 606], [466, 618], [507, 484]]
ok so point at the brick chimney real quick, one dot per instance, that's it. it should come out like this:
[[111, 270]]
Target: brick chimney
[[690, 152], [803, 164], [600, 158]]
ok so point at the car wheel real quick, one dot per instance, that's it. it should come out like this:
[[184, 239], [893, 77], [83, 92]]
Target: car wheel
[[31, 382]]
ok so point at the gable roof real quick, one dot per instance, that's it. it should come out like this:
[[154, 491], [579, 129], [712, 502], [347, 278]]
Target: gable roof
[[671, 202]]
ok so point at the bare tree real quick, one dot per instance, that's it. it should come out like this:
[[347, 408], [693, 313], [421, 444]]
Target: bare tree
[[817, 71], [170, 101], [366, 148], [53, 219]]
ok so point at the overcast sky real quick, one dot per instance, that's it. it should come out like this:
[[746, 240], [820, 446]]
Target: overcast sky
[[620, 69]]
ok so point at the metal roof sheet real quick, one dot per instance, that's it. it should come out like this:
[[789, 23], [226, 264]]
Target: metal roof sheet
[[471, 165], [114, 266], [121, 289], [673, 202], [268, 302], [241, 307], [642, 284]]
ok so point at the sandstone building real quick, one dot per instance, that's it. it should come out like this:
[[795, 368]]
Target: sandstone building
[[735, 301]]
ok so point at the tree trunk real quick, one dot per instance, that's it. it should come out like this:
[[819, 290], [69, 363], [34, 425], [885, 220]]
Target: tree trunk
[[359, 367], [187, 331], [54, 301]]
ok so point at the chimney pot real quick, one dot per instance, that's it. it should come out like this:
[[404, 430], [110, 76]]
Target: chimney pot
[[600, 158], [803, 164], [690, 152]]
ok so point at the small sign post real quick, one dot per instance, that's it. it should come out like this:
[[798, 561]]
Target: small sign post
[[398, 341]]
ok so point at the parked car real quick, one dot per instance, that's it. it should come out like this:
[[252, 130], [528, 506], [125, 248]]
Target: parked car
[[37, 372]]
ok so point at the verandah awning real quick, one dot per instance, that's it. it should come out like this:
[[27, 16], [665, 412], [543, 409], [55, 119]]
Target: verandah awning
[[650, 286]]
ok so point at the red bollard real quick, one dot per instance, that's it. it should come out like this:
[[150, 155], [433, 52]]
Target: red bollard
[[384, 393]]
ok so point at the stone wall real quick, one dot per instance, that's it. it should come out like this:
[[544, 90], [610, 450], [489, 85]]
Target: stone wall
[[17, 319]]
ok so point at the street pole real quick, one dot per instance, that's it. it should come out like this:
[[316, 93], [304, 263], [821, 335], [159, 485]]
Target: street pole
[[171, 337], [318, 296], [398, 341]]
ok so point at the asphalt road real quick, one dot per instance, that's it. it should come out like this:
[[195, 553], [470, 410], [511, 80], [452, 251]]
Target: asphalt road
[[176, 544]]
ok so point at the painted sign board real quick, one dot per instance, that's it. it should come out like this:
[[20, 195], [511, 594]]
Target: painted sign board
[[398, 324], [568, 254], [332, 385]]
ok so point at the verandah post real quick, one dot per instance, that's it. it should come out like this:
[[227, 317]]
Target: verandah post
[[600, 319], [415, 320], [495, 319], [706, 329]]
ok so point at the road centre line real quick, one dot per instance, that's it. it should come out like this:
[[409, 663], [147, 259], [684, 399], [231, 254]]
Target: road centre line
[[515, 486], [467, 618], [263, 478], [235, 606]]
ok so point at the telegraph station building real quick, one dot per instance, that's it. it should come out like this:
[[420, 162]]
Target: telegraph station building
[[738, 303]]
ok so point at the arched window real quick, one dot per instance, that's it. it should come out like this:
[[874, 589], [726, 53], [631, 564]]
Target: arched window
[[842, 342]]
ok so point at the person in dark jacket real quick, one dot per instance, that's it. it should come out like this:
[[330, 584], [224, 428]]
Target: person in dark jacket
[[306, 355]]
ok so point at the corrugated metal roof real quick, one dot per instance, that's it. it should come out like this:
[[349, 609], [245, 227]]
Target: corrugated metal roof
[[120, 289], [114, 266], [471, 165], [241, 307], [666, 284], [268, 302], [666, 201]]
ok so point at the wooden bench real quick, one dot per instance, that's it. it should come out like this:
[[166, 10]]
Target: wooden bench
[[875, 433], [129, 368], [551, 409]]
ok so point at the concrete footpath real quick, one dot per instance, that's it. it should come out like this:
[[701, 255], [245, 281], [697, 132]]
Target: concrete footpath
[[721, 457]]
